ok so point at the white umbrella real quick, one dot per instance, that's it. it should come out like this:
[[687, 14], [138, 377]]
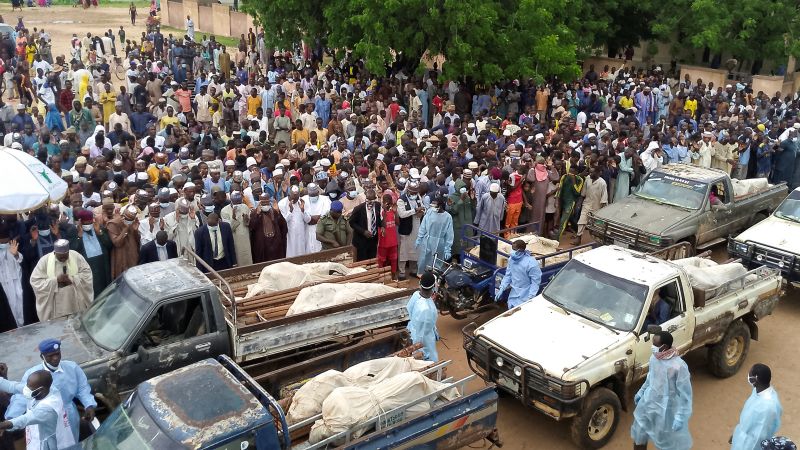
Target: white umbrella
[[26, 183]]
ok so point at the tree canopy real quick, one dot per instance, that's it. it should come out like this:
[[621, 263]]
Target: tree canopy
[[490, 40]]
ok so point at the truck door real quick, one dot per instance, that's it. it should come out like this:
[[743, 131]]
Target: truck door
[[178, 332], [671, 306], [720, 215]]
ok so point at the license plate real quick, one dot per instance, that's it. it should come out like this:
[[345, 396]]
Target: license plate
[[508, 383], [622, 244]]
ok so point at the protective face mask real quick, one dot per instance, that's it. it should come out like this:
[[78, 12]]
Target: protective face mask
[[751, 380], [351, 194], [87, 227], [184, 161], [265, 208], [654, 349], [333, 195], [127, 222], [160, 166], [30, 393], [463, 190], [209, 209], [51, 367], [3, 247], [214, 228], [314, 199], [164, 204], [44, 232]]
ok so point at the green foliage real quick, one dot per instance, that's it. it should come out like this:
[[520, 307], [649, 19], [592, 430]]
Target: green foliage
[[490, 40]]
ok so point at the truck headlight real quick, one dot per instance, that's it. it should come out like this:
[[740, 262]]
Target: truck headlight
[[741, 247], [499, 361], [760, 258], [655, 240], [518, 371]]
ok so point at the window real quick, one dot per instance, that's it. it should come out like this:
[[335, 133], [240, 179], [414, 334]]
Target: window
[[174, 322], [671, 293]]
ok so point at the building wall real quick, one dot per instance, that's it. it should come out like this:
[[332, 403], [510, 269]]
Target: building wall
[[213, 18]]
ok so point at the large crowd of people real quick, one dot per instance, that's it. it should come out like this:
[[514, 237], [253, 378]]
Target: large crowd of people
[[247, 154], [244, 155]]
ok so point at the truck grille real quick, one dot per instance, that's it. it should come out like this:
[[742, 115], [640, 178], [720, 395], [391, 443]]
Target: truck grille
[[509, 372], [774, 258]]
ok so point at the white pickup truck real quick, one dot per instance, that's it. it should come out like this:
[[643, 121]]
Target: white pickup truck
[[773, 241], [577, 348]]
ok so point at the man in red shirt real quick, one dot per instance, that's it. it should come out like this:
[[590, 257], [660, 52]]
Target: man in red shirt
[[65, 98], [387, 235], [515, 181]]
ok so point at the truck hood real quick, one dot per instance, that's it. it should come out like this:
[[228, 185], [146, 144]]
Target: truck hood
[[540, 332], [644, 215], [20, 346], [774, 232]]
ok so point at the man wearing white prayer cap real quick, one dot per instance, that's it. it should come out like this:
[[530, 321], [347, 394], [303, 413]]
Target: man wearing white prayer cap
[[314, 206], [62, 283], [293, 209]]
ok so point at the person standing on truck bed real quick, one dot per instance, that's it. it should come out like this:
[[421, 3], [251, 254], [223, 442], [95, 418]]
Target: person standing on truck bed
[[664, 402], [422, 315], [69, 380], [761, 415], [523, 275]]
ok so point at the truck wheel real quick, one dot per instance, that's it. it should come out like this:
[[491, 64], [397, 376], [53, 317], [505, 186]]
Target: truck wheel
[[727, 356], [598, 419]]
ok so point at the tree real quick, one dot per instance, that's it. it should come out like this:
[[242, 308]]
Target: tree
[[486, 40], [748, 29]]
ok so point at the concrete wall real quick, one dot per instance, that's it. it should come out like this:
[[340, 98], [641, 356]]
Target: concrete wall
[[768, 84], [212, 18], [222, 20], [717, 76]]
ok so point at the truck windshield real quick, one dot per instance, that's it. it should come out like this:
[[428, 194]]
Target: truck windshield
[[672, 190], [118, 433], [129, 428], [114, 315], [790, 207], [597, 296]]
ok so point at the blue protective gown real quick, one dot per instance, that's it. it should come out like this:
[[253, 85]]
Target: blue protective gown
[[524, 275], [71, 382], [422, 315], [435, 236], [760, 419], [664, 405]]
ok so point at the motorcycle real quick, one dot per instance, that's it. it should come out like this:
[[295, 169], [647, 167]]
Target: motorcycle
[[462, 290]]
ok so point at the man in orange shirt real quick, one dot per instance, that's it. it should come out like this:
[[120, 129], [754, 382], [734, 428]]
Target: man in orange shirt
[[253, 103]]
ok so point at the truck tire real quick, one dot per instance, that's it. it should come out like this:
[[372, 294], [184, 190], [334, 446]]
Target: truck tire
[[726, 357], [598, 419]]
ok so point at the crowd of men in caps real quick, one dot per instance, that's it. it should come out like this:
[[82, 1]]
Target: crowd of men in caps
[[245, 156]]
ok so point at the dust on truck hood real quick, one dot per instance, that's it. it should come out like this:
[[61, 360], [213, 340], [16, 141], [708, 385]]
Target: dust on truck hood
[[644, 215]]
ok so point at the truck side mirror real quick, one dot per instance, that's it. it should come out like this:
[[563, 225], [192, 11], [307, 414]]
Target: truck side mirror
[[653, 329]]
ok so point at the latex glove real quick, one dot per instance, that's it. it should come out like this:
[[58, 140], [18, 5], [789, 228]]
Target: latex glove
[[636, 398], [447, 256], [678, 425]]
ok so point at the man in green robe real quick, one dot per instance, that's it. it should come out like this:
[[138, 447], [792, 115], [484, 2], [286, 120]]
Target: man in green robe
[[94, 244]]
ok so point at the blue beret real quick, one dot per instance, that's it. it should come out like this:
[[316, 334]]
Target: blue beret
[[336, 206], [49, 346]]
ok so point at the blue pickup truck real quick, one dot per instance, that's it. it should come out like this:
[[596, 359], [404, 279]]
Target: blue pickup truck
[[215, 404]]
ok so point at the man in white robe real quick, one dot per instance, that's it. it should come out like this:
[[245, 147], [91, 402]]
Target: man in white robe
[[595, 196], [181, 225], [11, 278], [62, 283], [313, 206], [292, 211], [237, 215], [410, 210], [152, 224]]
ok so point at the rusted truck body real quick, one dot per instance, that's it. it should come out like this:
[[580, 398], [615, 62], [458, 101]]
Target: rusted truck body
[[174, 411], [165, 315], [673, 204]]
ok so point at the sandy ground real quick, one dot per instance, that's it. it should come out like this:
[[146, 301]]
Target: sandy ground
[[61, 21], [717, 403]]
